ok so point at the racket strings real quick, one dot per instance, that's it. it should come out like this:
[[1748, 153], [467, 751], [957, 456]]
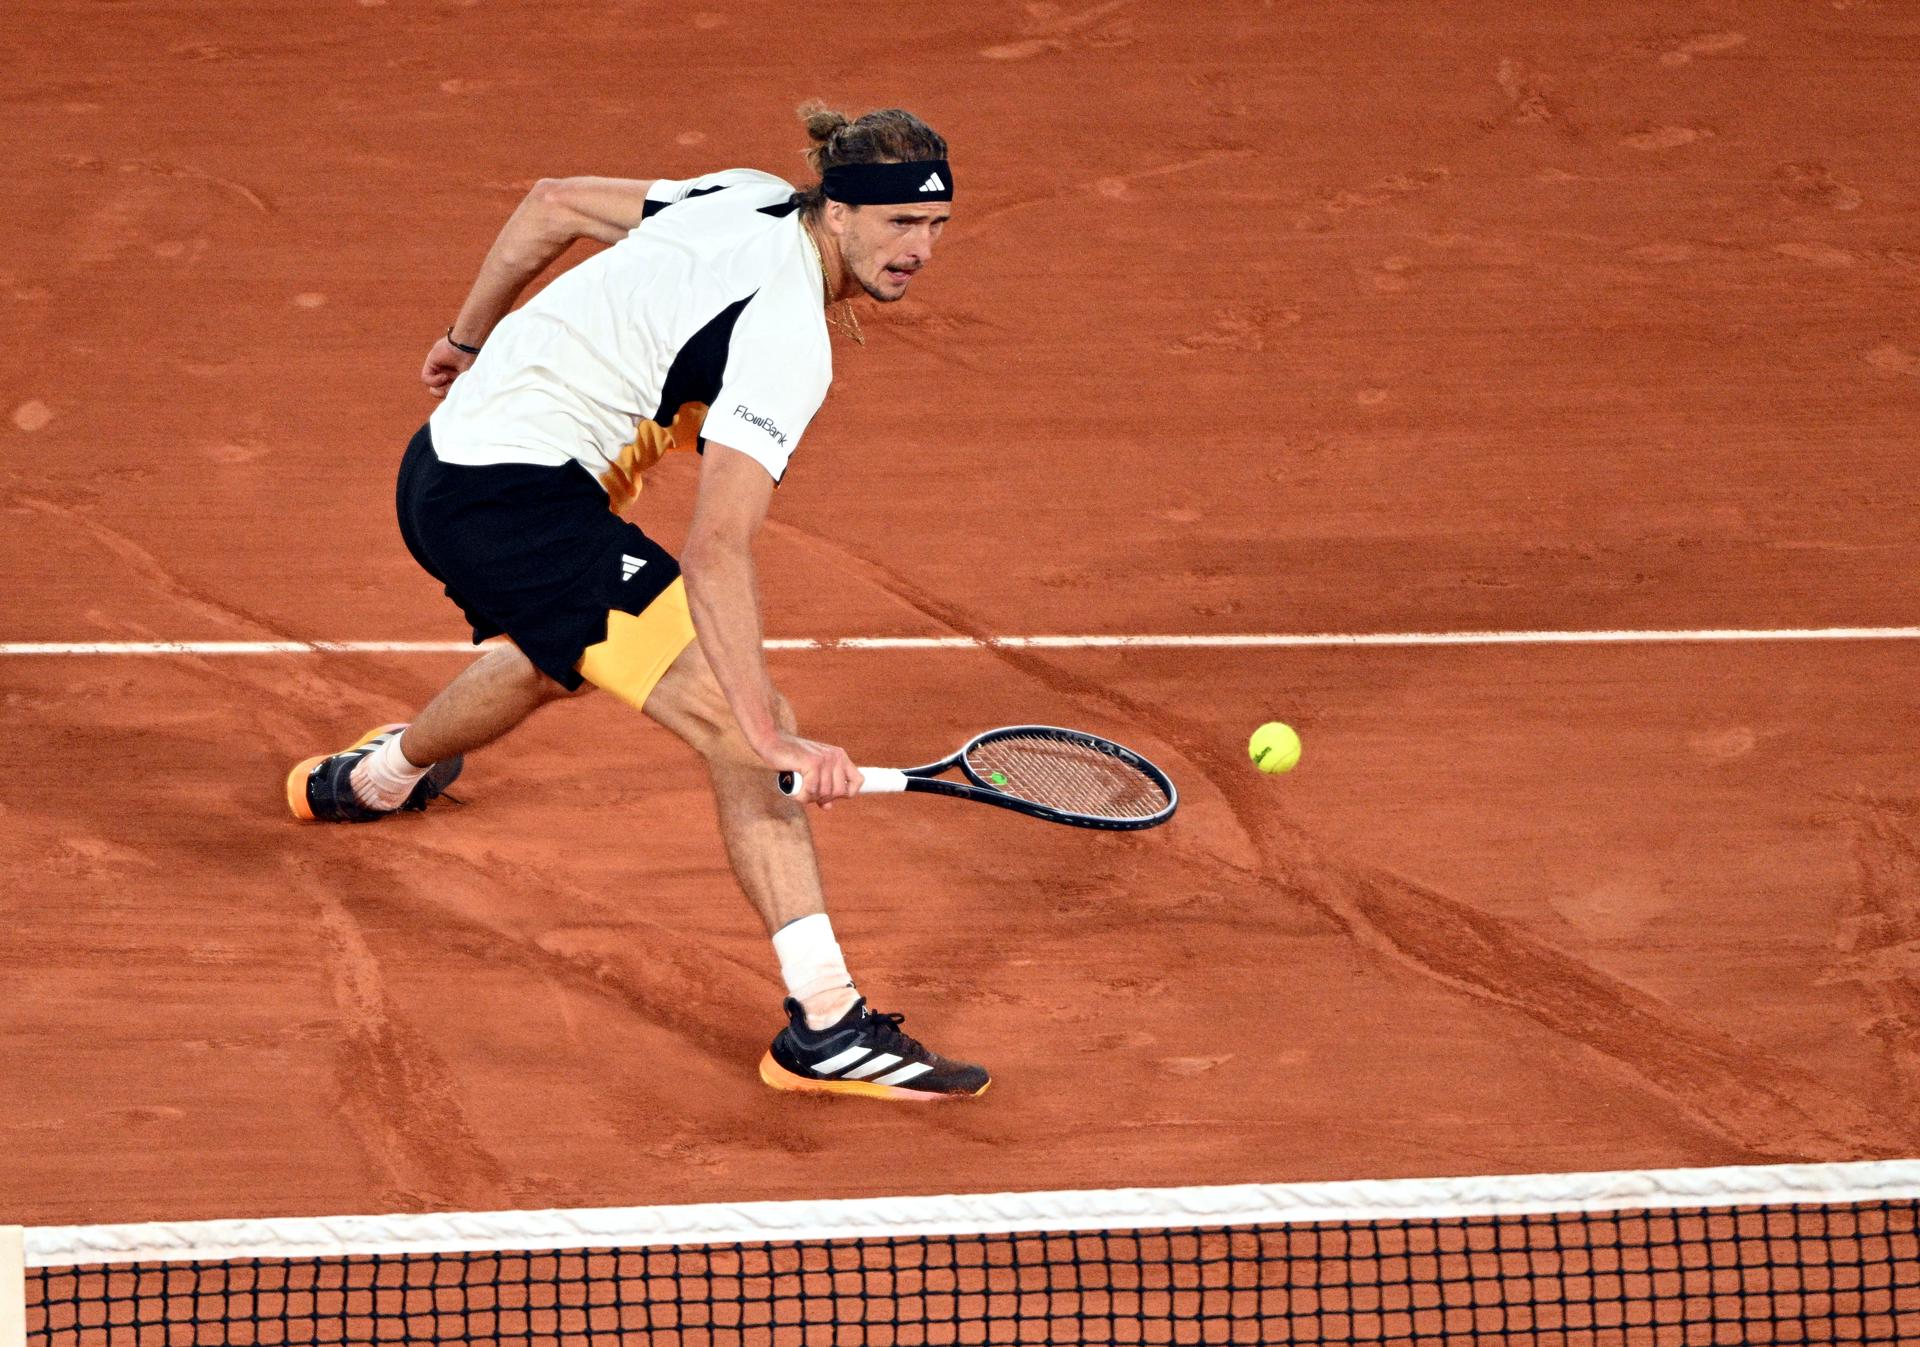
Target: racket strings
[[1067, 775]]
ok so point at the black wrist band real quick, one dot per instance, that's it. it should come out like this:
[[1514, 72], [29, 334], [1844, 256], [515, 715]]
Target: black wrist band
[[460, 345]]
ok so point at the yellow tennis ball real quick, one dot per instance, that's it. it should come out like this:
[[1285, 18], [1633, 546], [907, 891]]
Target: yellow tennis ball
[[1274, 747]]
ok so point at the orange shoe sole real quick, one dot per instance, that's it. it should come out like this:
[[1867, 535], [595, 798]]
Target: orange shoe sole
[[297, 778], [780, 1078]]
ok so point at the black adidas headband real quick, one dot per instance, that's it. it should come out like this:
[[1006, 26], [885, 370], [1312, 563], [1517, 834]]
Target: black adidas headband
[[888, 184]]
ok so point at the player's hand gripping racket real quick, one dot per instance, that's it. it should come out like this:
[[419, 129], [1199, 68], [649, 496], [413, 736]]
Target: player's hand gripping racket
[[1063, 776]]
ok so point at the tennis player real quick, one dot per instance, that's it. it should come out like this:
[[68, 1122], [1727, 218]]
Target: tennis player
[[702, 327]]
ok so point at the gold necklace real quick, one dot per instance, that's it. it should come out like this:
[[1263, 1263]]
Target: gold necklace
[[850, 323]]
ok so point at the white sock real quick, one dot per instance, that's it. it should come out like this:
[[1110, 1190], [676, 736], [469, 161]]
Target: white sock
[[814, 969], [384, 778]]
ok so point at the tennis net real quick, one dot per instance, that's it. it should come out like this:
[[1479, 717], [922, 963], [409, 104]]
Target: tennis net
[[1762, 1254]]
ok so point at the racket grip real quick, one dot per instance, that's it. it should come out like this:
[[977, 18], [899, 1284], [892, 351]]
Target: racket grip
[[874, 781]]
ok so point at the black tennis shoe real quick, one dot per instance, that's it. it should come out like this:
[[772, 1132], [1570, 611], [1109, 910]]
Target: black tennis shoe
[[864, 1053], [321, 789]]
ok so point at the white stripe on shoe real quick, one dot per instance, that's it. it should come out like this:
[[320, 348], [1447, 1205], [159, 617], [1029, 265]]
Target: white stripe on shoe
[[840, 1059], [904, 1074], [878, 1062]]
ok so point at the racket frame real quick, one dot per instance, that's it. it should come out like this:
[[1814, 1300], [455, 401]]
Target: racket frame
[[925, 780]]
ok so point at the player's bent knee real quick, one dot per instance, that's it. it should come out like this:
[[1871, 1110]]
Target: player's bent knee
[[709, 728], [728, 747], [510, 663]]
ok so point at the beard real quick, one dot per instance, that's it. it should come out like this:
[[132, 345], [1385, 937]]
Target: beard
[[879, 296], [856, 265]]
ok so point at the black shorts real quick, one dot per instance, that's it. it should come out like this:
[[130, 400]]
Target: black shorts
[[530, 552]]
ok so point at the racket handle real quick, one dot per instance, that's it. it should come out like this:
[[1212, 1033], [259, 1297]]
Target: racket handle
[[874, 781]]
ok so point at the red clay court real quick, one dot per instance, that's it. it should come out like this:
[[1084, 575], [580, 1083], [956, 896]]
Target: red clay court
[[1254, 320]]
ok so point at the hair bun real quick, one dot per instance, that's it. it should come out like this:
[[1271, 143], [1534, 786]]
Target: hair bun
[[822, 122]]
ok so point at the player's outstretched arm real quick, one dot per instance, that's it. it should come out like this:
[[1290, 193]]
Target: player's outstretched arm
[[723, 591], [556, 213]]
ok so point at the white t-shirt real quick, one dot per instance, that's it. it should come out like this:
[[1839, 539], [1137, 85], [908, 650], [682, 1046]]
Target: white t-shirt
[[707, 322]]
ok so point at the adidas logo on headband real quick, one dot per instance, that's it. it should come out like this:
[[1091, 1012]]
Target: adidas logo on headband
[[889, 184]]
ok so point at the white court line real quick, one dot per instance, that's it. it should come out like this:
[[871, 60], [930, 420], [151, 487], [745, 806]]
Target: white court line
[[1268, 640]]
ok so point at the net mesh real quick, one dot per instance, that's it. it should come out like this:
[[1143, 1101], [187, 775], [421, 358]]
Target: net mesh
[[1799, 1273], [1069, 774]]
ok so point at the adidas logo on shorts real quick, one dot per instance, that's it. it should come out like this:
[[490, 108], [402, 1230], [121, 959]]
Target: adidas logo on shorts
[[629, 566]]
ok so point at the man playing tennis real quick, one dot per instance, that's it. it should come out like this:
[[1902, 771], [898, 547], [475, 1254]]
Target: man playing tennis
[[702, 329]]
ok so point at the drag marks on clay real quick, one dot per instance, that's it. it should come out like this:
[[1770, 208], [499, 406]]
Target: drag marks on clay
[[1891, 359], [395, 1091], [1244, 327], [1894, 264], [1701, 44], [147, 1115], [1726, 745], [137, 564], [662, 975], [1386, 191], [235, 452], [1193, 1066], [1099, 28], [207, 51], [1819, 254], [1760, 1105], [1765, 1107], [1113, 187], [1221, 154], [96, 860], [575, 968], [1528, 97], [157, 168], [1877, 943], [1653, 139], [1813, 184], [944, 614], [943, 334], [292, 697], [654, 978]]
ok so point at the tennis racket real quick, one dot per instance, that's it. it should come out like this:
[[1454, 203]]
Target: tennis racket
[[1062, 776]]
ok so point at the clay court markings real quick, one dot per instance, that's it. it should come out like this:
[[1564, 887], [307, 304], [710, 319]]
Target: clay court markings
[[1228, 641]]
